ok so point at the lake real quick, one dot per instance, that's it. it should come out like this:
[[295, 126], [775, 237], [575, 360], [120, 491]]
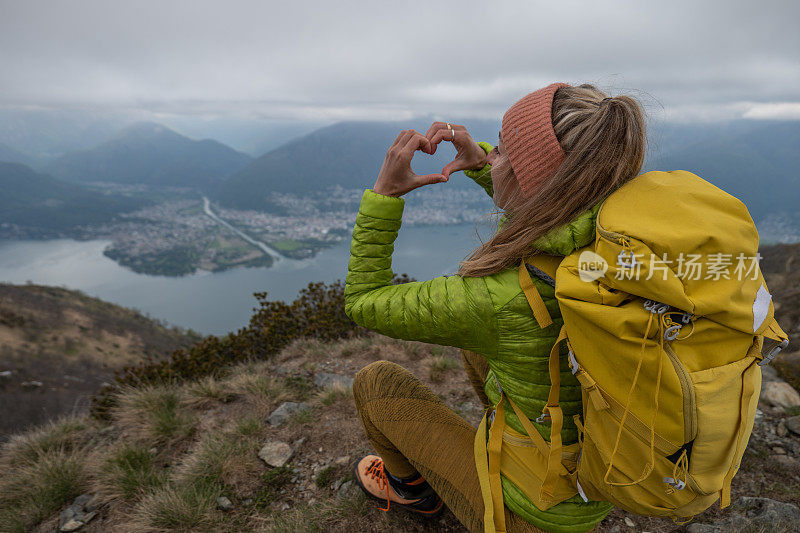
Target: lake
[[216, 303]]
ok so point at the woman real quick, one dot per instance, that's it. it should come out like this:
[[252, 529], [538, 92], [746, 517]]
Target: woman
[[561, 151]]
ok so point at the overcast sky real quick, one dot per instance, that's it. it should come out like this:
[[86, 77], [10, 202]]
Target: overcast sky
[[330, 60]]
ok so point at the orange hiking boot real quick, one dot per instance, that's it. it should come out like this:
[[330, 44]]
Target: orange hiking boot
[[412, 494]]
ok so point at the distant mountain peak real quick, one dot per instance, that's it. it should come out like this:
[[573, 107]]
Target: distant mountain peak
[[151, 153], [148, 129]]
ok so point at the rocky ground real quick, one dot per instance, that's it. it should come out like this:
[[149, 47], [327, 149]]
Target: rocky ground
[[270, 447]]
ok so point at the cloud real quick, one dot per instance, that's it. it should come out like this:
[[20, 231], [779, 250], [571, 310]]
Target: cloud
[[318, 60], [776, 111]]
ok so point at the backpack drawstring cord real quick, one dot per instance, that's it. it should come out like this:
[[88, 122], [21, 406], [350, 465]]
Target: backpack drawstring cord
[[659, 310]]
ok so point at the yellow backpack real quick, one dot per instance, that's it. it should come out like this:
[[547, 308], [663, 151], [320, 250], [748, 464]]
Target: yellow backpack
[[665, 315]]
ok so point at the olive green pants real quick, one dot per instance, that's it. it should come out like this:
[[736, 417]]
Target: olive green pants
[[414, 431]]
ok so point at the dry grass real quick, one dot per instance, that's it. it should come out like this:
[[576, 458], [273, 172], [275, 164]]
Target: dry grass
[[154, 413], [254, 379], [208, 391], [65, 433], [177, 508], [127, 471], [439, 365], [335, 393], [218, 457], [38, 487]]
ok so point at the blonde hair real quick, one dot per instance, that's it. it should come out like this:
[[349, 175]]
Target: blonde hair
[[604, 143]]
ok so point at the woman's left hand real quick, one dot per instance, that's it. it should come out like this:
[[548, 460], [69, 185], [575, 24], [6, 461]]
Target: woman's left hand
[[396, 177]]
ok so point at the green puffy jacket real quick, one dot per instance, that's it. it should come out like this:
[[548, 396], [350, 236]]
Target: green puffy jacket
[[488, 315]]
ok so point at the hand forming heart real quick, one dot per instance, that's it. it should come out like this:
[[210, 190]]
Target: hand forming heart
[[396, 177], [470, 155]]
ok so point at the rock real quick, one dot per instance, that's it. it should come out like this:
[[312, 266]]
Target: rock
[[5, 374], [629, 522], [754, 514], [224, 504], [275, 453], [342, 461], [299, 442], [31, 384], [344, 489], [768, 513], [312, 501], [285, 506], [768, 373], [284, 411], [781, 430], [325, 379], [785, 460], [780, 394], [777, 450], [615, 529], [759, 416], [65, 516], [793, 424], [72, 525], [82, 500], [337, 484]]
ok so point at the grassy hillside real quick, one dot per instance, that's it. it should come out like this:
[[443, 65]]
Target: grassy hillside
[[175, 445], [70, 343]]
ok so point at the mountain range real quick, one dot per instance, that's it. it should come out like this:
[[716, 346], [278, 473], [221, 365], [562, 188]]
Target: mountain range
[[345, 154], [756, 161], [753, 160], [46, 204], [151, 154]]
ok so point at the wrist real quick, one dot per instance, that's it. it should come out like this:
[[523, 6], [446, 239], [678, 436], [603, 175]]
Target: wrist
[[487, 148], [378, 189]]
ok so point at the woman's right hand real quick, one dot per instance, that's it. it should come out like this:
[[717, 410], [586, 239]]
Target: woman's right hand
[[470, 155]]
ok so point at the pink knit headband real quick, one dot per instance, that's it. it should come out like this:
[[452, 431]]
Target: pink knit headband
[[530, 141]]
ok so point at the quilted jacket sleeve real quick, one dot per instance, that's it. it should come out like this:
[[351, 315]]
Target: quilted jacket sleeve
[[483, 177], [447, 310]]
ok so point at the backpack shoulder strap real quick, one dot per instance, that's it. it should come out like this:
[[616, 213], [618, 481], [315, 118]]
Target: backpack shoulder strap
[[545, 263]]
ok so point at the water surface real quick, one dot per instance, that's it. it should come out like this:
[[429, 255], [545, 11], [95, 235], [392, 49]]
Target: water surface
[[215, 303]]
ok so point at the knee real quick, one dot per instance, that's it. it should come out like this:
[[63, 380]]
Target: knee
[[371, 380]]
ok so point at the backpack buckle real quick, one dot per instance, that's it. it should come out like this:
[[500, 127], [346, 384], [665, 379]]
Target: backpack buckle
[[671, 333], [676, 484], [499, 388], [542, 418], [773, 352], [573, 363], [655, 307]]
